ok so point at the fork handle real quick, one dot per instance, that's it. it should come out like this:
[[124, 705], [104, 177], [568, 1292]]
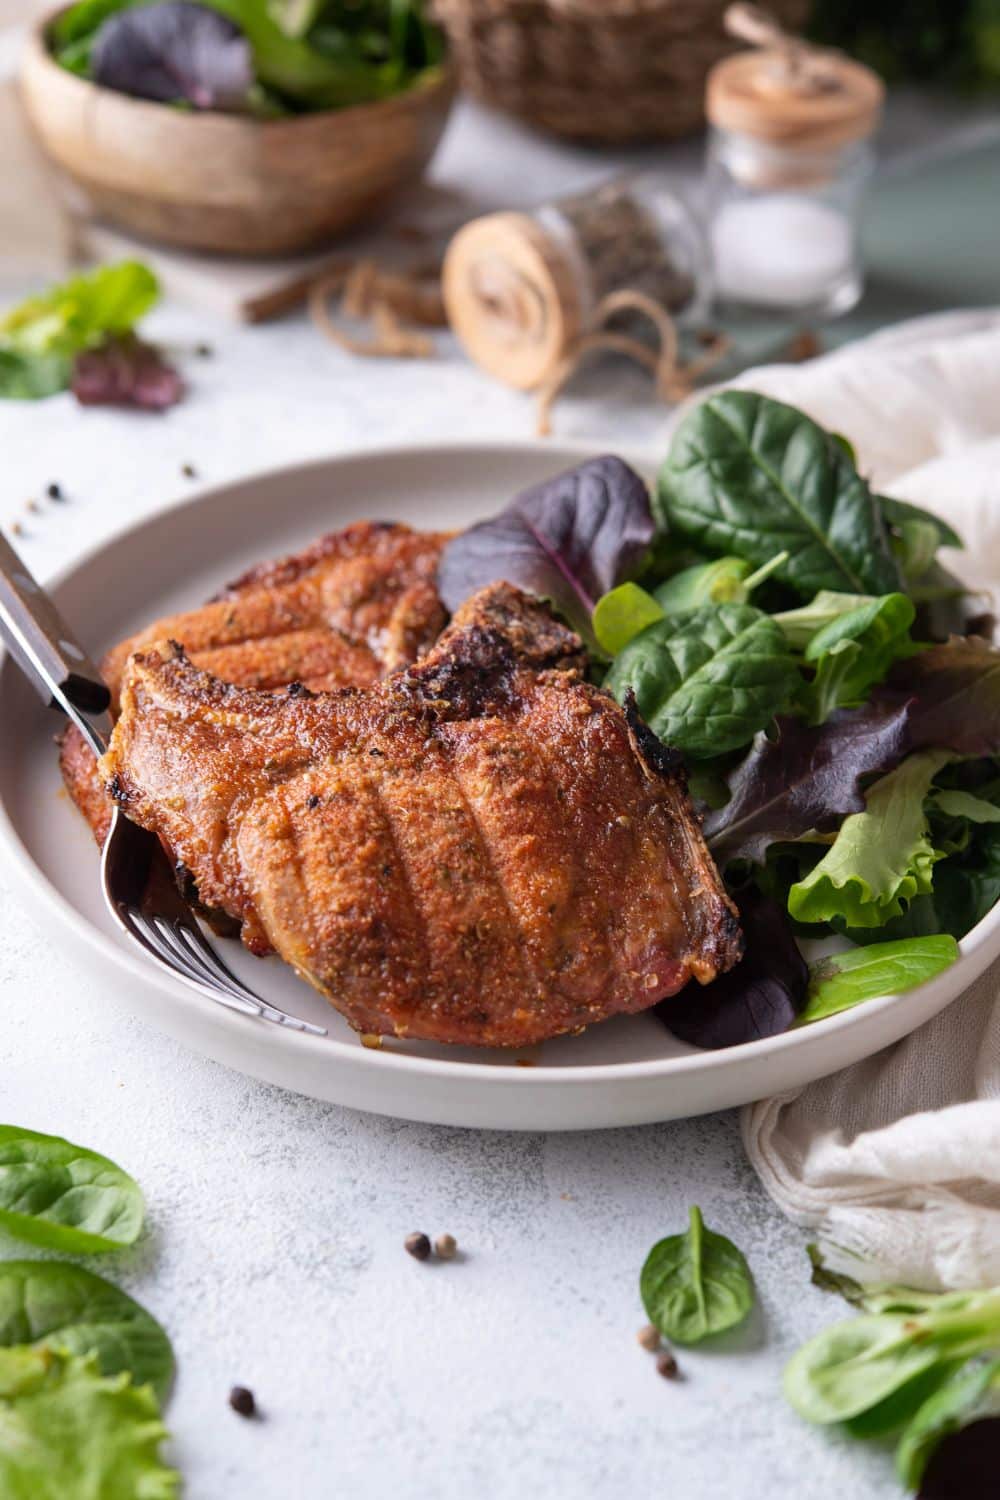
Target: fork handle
[[48, 653]]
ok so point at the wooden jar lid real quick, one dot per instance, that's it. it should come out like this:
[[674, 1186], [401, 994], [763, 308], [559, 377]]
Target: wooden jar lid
[[805, 101], [512, 297]]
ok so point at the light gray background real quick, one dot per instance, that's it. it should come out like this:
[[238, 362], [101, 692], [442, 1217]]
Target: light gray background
[[274, 1249]]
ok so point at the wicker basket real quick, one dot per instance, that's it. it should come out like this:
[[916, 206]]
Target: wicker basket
[[595, 70]]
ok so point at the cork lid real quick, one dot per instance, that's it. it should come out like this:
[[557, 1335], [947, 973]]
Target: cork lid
[[788, 93]]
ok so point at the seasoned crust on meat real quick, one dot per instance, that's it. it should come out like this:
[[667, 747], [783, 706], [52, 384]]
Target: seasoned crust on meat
[[351, 607], [482, 848]]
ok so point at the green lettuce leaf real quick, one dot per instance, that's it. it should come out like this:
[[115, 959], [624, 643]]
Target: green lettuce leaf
[[622, 614], [844, 980], [854, 651], [69, 1433], [881, 858], [82, 312], [802, 624]]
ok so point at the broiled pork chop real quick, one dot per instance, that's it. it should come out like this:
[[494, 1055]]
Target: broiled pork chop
[[483, 848], [353, 606]]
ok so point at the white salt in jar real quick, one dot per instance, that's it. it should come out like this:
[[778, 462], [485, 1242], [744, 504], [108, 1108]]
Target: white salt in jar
[[789, 157]]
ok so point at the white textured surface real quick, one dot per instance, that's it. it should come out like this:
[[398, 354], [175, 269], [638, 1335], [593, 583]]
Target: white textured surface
[[274, 1250]]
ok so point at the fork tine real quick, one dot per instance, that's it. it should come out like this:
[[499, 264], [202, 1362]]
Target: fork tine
[[196, 945], [138, 929]]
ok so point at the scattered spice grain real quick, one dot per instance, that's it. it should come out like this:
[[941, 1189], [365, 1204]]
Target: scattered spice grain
[[417, 1245], [242, 1401], [649, 1338], [666, 1366], [446, 1247], [55, 491]]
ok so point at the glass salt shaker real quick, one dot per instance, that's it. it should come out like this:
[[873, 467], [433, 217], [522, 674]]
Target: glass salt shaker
[[788, 160]]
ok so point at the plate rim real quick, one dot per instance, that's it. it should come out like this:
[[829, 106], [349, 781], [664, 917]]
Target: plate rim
[[979, 947]]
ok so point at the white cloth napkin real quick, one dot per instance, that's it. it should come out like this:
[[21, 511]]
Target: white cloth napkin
[[895, 1162]]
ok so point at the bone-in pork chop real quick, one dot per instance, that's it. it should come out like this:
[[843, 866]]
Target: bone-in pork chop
[[482, 848], [355, 605]]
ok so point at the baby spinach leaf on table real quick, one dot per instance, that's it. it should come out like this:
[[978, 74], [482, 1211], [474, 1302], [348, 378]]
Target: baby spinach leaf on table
[[760, 997], [569, 540], [69, 1433], [707, 681], [172, 51], [64, 1197], [881, 858], [752, 476], [970, 1395], [695, 1284], [622, 614], [49, 1302], [804, 778], [846, 979], [955, 690]]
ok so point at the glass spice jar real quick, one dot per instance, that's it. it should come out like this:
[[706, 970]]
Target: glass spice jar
[[523, 289], [788, 160]]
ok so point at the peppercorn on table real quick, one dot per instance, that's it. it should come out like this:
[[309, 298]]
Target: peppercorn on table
[[505, 1361]]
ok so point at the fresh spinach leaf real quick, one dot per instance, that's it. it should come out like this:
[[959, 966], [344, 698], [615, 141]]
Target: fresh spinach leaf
[[64, 1197], [967, 1397], [70, 1433], [622, 614], [846, 979], [804, 778], [967, 884], [802, 624], [961, 804], [726, 580], [696, 1284], [752, 476], [570, 540], [856, 650], [707, 681], [914, 546], [881, 858], [760, 997], [46, 1302]]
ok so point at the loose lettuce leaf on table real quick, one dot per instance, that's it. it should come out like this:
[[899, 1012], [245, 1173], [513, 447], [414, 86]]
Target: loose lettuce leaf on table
[[805, 778], [81, 312], [707, 681], [754, 477], [69, 1433], [569, 540], [126, 371], [760, 997], [846, 979], [881, 858]]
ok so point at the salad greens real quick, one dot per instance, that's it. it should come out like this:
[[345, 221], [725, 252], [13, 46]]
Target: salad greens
[[55, 340], [271, 57], [64, 1197], [71, 1433], [778, 626], [695, 1284]]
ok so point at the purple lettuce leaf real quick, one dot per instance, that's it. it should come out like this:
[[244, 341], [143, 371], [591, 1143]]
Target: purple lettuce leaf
[[174, 51], [955, 693], [760, 997], [568, 540], [806, 778], [125, 371]]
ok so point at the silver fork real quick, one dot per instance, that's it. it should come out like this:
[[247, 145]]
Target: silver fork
[[137, 882]]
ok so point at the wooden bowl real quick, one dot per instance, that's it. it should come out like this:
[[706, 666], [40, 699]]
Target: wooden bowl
[[223, 182]]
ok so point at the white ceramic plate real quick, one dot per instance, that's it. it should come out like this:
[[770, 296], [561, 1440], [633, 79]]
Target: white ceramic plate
[[626, 1072]]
